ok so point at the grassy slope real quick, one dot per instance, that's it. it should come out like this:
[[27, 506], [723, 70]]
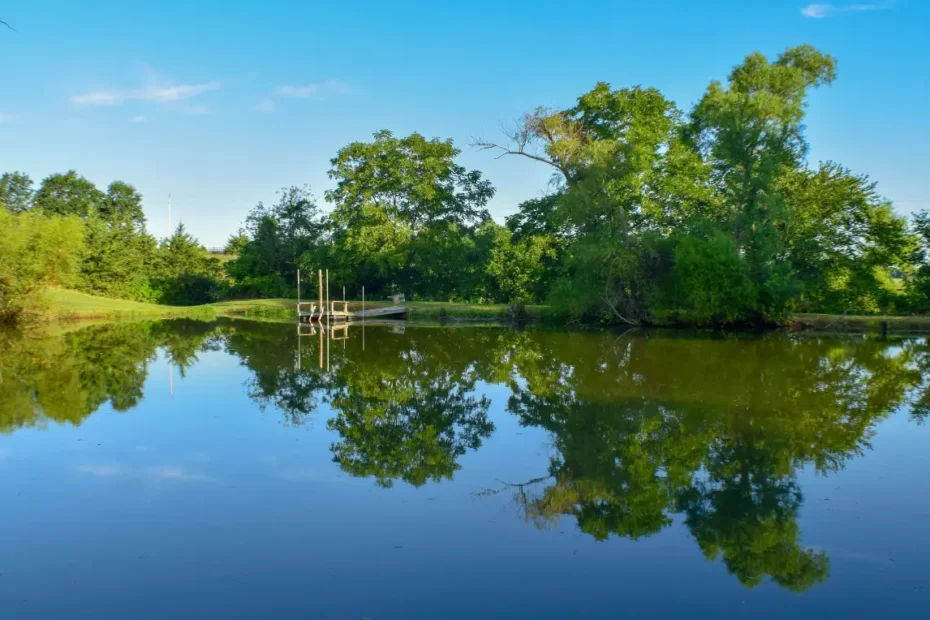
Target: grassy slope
[[60, 304], [65, 304], [70, 305]]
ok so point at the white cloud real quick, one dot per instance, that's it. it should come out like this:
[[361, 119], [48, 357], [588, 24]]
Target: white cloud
[[316, 91], [158, 94], [198, 110], [169, 472], [822, 10], [102, 471], [265, 105], [138, 119], [4, 118]]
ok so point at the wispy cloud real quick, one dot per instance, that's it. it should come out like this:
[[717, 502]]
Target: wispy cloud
[[5, 118], [138, 119], [102, 471], [158, 94], [179, 474], [265, 105], [822, 10], [159, 474], [316, 91]]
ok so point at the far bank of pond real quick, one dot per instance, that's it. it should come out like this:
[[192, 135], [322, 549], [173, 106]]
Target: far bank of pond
[[66, 305]]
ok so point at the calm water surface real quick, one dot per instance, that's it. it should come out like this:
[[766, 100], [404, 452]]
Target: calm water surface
[[232, 469]]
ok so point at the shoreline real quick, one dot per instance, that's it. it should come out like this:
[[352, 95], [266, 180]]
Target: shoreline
[[63, 306]]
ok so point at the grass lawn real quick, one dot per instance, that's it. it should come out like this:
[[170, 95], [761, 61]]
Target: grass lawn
[[861, 323], [62, 304]]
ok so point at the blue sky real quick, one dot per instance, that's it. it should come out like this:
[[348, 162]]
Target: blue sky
[[221, 103]]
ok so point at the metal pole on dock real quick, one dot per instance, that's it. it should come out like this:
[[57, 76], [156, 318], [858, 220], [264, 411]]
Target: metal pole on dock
[[298, 300], [327, 299], [319, 316]]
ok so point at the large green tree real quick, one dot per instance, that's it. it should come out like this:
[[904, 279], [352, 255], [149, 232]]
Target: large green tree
[[713, 218], [276, 241], [123, 203], [184, 272], [16, 192], [402, 207], [68, 194], [751, 132]]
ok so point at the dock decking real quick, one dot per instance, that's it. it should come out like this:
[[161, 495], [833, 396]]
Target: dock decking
[[345, 314]]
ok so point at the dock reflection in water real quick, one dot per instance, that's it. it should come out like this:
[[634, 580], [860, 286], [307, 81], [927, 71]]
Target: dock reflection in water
[[378, 463]]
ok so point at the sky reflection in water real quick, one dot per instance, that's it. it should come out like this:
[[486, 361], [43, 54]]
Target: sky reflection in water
[[197, 469]]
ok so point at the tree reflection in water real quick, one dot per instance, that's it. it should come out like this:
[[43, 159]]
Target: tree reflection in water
[[643, 425]]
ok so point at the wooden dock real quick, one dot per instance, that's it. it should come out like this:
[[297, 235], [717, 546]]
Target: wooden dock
[[308, 311], [345, 315]]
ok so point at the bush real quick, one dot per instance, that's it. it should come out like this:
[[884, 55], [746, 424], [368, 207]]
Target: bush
[[35, 252], [709, 284]]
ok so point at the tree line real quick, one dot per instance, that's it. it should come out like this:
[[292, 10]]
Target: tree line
[[69, 233], [655, 216]]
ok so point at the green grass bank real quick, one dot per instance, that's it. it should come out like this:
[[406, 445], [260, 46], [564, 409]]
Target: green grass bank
[[67, 305]]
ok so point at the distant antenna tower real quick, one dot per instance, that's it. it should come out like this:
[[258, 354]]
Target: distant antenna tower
[[169, 215]]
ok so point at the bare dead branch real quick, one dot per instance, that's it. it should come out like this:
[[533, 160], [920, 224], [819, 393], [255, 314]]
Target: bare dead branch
[[484, 145], [616, 313]]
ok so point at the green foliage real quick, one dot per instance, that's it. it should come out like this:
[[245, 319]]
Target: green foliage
[[16, 192], [117, 260], [123, 204], [515, 267], [714, 220], [919, 284], [404, 215], [843, 241], [35, 252], [185, 273], [643, 430], [68, 194], [275, 243], [708, 285], [657, 216]]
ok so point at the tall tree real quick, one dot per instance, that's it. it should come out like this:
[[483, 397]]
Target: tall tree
[[842, 240], [413, 180], [625, 176], [392, 191], [751, 132], [185, 273], [275, 241], [68, 194], [16, 192], [123, 203]]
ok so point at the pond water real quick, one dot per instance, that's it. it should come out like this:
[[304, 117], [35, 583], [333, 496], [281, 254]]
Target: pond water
[[235, 469]]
